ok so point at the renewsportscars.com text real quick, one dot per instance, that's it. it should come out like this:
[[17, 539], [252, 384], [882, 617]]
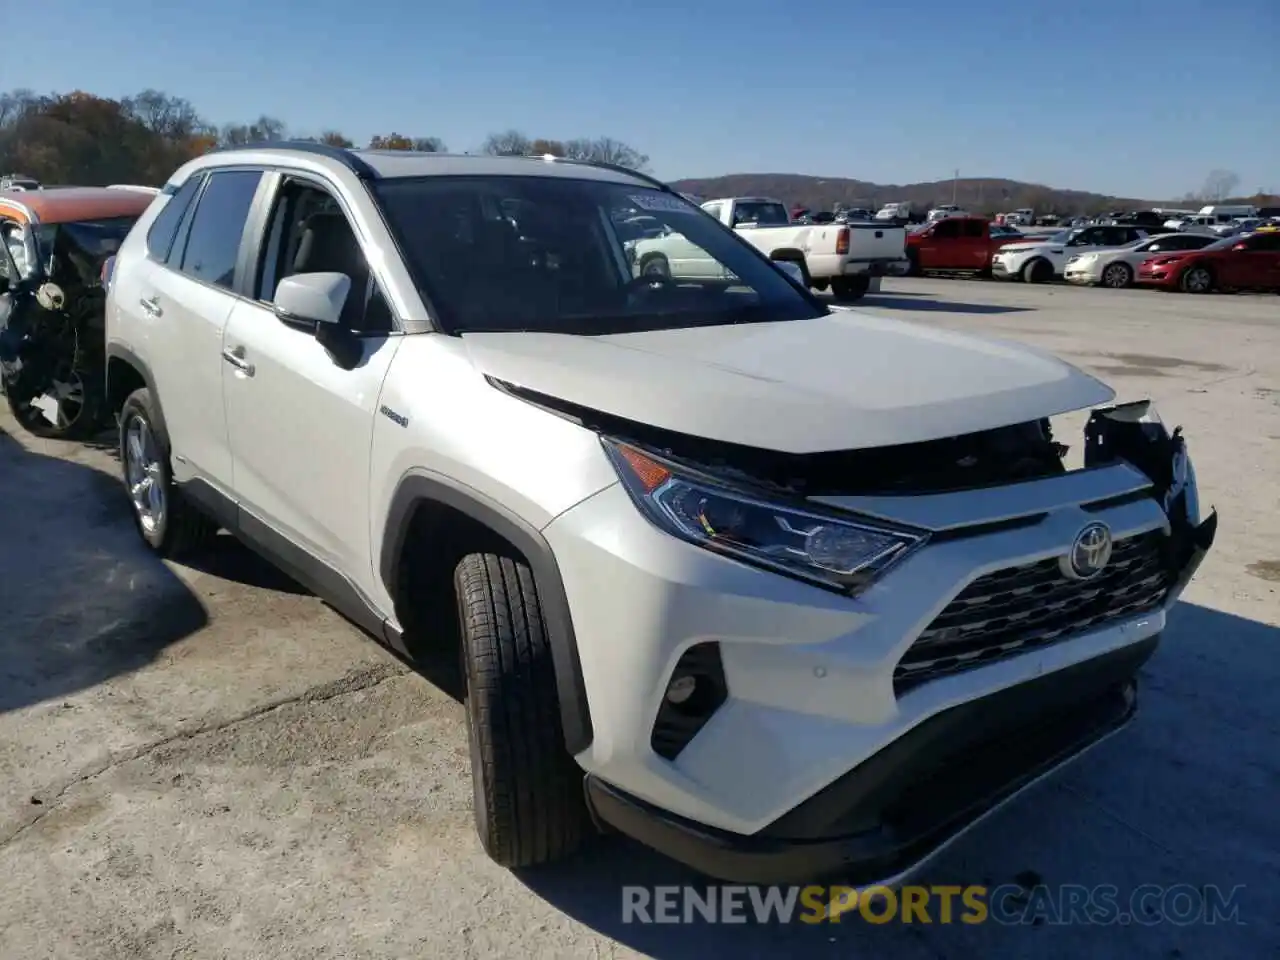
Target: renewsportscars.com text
[[1010, 904]]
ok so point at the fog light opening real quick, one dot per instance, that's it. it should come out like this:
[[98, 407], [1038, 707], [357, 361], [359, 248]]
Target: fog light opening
[[681, 689]]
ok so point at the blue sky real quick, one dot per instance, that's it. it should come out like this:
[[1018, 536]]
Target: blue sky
[[1127, 97]]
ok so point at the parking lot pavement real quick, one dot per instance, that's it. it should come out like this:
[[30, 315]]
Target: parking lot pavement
[[210, 763]]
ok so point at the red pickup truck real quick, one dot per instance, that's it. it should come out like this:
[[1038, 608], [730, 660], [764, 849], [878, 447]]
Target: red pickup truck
[[960, 244]]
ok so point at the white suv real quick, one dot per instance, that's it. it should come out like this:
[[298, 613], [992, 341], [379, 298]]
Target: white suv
[[779, 590]]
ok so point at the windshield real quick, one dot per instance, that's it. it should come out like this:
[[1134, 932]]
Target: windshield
[[559, 255], [1059, 238]]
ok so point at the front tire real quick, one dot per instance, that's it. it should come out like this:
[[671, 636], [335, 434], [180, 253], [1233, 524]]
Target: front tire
[[166, 521], [1197, 280], [527, 791], [79, 399], [1037, 271]]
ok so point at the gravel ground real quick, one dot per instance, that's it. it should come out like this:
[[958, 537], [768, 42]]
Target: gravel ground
[[208, 762]]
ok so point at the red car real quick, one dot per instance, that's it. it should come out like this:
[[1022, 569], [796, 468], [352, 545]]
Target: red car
[[956, 244], [1250, 262]]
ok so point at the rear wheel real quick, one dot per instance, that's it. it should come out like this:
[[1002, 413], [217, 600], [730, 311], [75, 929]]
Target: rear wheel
[[1197, 280], [655, 266], [850, 288], [527, 790], [167, 523], [1117, 276]]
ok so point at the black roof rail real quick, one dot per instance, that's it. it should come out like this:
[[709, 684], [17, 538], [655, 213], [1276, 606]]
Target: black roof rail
[[341, 154], [618, 168]]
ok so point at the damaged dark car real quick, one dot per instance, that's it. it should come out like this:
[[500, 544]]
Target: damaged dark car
[[53, 247]]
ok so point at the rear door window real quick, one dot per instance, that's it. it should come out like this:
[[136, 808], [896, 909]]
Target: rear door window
[[213, 242]]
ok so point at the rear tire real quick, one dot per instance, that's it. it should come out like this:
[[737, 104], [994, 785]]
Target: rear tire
[[527, 791], [655, 266], [850, 288], [166, 521], [1117, 276]]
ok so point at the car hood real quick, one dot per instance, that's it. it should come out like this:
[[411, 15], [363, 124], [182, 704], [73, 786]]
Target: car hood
[[844, 381], [1026, 246]]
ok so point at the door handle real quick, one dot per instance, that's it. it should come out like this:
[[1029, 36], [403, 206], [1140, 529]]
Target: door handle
[[152, 306], [235, 357]]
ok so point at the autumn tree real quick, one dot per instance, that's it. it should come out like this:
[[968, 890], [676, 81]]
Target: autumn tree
[[333, 138]]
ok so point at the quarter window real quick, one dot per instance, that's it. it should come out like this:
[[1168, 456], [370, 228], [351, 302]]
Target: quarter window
[[213, 243], [165, 226]]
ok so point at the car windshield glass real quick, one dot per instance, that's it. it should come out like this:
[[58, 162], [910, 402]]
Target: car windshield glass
[[1062, 236], [552, 254]]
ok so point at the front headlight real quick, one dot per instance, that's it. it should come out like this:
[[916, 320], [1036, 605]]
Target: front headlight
[[1083, 259], [825, 549]]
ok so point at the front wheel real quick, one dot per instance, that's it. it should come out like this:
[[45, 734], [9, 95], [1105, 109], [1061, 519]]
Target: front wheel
[[1197, 280], [527, 791], [1037, 271], [73, 402], [850, 288]]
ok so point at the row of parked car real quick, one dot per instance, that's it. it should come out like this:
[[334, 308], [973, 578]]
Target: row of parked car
[[1108, 255]]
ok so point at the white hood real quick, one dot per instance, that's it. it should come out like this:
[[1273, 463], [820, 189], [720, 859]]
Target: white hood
[[839, 382]]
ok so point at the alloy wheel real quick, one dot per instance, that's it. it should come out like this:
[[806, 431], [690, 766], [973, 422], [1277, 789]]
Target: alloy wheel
[[144, 475]]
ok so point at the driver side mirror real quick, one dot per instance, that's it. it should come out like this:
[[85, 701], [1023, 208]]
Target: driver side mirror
[[312, 298]]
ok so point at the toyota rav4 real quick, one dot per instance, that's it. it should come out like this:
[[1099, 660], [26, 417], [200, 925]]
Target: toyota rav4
[[779, 589]]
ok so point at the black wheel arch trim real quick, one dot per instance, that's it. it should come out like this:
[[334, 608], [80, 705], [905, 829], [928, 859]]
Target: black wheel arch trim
[[116, 351], [416, 488]]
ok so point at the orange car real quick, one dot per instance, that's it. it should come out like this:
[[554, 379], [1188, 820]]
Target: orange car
[[53, 243]]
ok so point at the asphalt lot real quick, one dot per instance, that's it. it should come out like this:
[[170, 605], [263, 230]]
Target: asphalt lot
[[207, 762]]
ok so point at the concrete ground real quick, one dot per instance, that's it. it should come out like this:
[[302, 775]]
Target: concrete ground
[[207, 762]]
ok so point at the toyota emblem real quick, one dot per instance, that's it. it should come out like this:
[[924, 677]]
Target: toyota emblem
[[1089, 554]]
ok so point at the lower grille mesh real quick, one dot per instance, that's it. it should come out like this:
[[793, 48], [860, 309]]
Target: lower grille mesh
[[1016, 609]]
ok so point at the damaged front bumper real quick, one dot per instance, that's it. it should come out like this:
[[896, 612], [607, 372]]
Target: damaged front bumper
[[1134, 434], [849, 780]]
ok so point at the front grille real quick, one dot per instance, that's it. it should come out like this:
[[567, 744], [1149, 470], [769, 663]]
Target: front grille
[[1016, 609]]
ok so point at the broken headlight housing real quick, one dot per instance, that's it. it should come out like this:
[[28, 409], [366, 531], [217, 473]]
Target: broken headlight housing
[[834, 551]]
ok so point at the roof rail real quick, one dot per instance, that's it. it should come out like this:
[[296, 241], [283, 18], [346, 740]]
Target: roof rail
[[341, 154], [616, 168]]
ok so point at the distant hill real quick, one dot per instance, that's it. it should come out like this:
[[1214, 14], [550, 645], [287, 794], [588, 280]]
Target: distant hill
[[975, 195]]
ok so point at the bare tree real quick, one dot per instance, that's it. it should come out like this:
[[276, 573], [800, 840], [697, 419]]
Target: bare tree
[[429, 145], [1219, 184], [512, 143], [606, 150]]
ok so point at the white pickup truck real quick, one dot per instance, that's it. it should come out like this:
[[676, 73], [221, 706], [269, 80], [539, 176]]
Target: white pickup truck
[[842, 256]]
